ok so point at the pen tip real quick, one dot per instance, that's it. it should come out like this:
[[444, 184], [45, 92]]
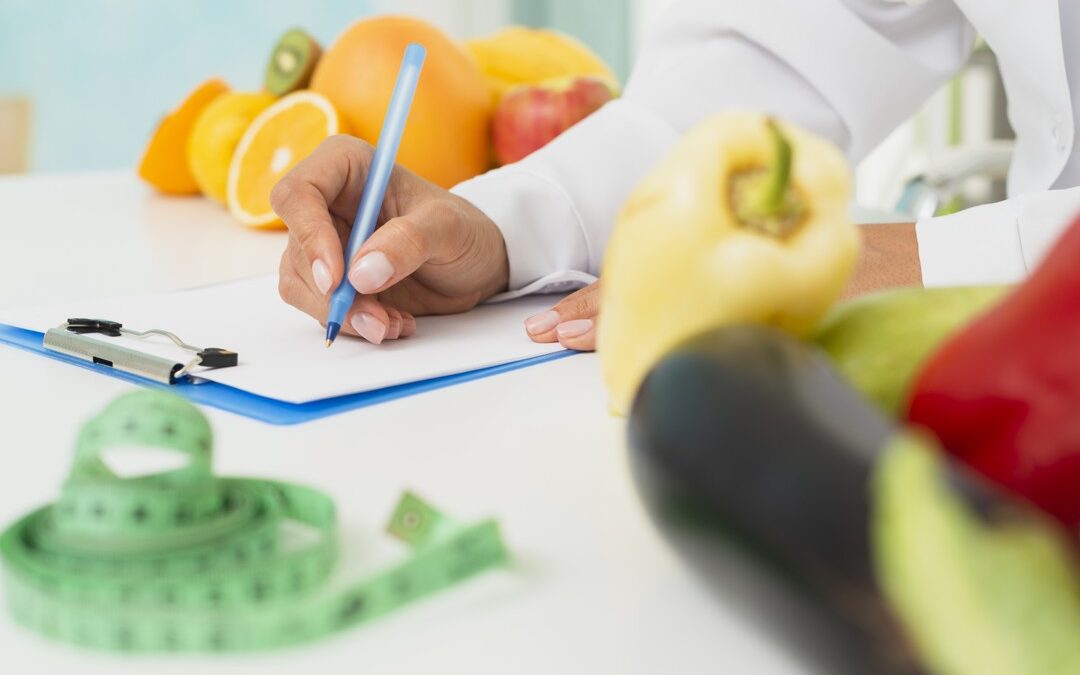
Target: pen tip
[[332, 329]]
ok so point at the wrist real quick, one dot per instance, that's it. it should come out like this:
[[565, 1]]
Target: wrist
[[486, 259], [889, 259], [497, 277]]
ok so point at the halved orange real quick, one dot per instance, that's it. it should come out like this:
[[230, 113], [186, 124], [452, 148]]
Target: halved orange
[[281, 136], [164, 162]]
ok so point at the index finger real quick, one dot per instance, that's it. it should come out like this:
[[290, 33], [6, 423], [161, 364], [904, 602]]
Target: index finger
[[327, 182]]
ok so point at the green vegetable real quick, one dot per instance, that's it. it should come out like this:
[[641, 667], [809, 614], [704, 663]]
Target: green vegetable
[[991, 590], [879, 341]]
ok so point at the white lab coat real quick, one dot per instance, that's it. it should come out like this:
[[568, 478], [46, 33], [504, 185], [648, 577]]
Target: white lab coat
[[850, 70]]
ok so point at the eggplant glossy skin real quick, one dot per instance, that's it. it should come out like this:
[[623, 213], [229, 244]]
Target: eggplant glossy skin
[[752, 434], [759, 427]]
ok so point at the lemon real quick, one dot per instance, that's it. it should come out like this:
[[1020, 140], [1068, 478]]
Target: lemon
[[215, 136]]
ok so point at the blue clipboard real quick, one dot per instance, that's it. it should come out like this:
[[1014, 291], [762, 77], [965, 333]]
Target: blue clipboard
[[269, 410]]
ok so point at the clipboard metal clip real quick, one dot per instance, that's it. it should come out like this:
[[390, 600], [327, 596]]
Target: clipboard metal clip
[[73, 338]]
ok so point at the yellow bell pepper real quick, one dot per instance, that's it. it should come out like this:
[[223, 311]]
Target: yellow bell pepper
[[746, 221]]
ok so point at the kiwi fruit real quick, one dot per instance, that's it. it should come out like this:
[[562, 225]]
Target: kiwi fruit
[[292, 62]]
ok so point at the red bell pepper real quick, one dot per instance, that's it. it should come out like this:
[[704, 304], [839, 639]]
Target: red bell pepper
[[1003, 394]]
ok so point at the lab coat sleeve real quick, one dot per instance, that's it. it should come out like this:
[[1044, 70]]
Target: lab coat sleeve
[[849, 70], [997, 243]]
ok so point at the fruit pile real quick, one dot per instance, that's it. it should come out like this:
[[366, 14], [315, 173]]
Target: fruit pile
[[492, 99], [909, 460], [542, 83]]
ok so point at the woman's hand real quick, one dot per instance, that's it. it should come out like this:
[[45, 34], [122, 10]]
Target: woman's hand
[[572, 321], [433, 252], [889, 259]]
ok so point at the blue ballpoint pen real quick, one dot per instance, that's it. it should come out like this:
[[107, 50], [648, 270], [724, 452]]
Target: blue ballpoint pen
[[377, 179]]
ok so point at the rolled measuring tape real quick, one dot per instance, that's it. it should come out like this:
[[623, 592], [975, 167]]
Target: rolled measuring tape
[[185, 561]]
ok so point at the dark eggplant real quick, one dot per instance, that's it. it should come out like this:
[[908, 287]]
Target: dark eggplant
[[745, 439], [749, 433]]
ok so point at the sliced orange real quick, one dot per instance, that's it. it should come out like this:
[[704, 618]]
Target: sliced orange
[[281, 136], [164, 162], [216, 134]]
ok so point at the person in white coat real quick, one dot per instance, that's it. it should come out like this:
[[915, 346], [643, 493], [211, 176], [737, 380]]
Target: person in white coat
[[849, 70]]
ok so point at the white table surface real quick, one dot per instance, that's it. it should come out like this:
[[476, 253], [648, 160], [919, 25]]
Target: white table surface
[[595, 589]]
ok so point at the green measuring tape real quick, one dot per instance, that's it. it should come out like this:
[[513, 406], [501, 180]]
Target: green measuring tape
[[185, 561]]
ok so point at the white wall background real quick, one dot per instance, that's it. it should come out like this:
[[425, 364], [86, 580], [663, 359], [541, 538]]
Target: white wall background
[[100, 74], [460, 18]]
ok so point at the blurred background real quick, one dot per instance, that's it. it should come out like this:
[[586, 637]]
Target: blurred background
[[87, 81]]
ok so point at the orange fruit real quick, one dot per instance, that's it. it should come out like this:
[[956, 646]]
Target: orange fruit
[[275, 142], [216, 133], [447, 138], [164, 161]]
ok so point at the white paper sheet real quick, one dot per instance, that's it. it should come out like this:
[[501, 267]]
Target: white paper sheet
[[282, 355]]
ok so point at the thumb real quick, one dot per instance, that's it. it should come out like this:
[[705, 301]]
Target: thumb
[[572, 321], [399, 248]]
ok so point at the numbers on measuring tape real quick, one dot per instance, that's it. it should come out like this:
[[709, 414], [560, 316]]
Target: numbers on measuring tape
[[186, 561]]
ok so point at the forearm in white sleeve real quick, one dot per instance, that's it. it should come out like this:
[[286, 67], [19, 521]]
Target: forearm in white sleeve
[[997, 243], [848, 70]]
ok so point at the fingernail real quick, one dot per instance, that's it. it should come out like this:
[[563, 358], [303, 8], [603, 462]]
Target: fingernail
[[369, 328], [573, 329], [542, 322], [371, 272], [321, 274]]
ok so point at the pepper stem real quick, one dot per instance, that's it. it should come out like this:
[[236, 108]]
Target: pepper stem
[[762, 198], [768, 198]]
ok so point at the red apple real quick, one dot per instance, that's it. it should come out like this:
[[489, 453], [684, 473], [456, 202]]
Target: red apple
[[530, 115]]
